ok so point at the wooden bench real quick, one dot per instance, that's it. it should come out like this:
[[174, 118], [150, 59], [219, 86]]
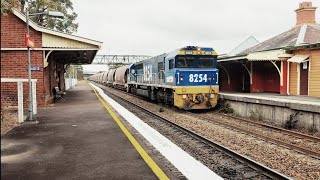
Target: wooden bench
[[58, 94]]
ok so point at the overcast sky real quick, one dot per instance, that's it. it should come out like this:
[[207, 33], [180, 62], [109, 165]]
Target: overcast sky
[[153, 27]]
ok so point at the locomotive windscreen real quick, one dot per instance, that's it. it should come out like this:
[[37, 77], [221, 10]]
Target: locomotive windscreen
[[206, 62], [194, 62], [185, 62]]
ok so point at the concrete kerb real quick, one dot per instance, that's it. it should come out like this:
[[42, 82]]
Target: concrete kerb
[[291, 105], [307, 116]]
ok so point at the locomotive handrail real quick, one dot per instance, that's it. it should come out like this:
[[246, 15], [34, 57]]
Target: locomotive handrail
[[151, 78], [139, 78], [132, 78], [160, 77], [156, 78]]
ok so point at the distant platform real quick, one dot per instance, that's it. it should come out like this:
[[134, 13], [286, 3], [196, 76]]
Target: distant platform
[[301, 103]]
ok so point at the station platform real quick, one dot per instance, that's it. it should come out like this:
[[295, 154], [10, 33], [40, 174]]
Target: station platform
[[300, 112], [76, 138], [302, 103]]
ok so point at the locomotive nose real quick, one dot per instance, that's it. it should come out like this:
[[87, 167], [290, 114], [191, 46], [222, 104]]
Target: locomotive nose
[[199, 98]]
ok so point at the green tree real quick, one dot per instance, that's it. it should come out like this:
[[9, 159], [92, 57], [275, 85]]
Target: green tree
[[70, 71], [67, 24], [80, 72], [7, 5]]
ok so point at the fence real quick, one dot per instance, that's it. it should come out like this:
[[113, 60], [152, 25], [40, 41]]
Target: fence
[[70, 82], [20, 95]]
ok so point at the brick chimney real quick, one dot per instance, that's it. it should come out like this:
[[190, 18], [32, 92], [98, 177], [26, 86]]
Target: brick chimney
[[306, 14]]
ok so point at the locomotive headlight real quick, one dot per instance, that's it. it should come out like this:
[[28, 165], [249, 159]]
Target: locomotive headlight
[[181, 78], [207, 52], [189, 52], [211, 96], [184, 96]]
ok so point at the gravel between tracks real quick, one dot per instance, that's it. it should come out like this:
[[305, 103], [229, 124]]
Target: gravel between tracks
[[291, 163], [304, 143]]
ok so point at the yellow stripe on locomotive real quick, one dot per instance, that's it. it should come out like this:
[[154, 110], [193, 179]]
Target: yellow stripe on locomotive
[[197, 52]]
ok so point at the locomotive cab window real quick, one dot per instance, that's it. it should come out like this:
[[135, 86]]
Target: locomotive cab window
[[206, 62], [185, 62]]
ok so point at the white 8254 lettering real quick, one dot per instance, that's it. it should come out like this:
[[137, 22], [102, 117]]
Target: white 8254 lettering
[[197, 77]]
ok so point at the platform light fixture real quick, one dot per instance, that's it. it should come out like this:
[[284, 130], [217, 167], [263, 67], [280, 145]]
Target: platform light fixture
[[28, 42]]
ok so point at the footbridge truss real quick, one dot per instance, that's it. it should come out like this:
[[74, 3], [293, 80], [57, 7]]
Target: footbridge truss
[[118, 59]]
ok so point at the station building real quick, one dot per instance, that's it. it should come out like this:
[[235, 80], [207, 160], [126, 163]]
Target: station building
[[53, 51], [288, 63]]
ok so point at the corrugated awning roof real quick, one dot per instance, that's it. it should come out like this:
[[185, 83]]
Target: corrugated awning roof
[[277, 55], [299, 58], [233, 58]]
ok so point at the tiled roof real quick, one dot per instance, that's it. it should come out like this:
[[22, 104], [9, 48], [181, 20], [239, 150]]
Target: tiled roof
[[305, 34], [312, 34]]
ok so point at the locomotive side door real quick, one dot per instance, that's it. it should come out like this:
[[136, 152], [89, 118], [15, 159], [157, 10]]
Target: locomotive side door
[[147, 74], [169, 72]]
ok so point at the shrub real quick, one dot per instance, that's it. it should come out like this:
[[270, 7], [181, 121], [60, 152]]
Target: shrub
[[225, 108]]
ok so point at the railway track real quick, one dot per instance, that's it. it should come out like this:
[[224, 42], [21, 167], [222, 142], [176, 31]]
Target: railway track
[[302, 143], [293, 133], [230, 165], [265, 133]]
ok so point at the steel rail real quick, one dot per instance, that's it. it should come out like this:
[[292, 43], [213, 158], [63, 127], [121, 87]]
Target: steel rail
[[263, 137], [297, 134]]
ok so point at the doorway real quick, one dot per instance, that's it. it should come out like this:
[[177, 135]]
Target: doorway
[[304, 78]]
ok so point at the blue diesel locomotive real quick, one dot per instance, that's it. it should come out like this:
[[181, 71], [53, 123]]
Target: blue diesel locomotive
[[186, 78]]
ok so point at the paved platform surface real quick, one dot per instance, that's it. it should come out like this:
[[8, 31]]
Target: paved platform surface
[[75, 139], [304, 103]]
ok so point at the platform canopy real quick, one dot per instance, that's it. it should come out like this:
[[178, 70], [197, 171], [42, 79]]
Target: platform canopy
[[233, 58], [299, 58], [275, 55], [66, 48]]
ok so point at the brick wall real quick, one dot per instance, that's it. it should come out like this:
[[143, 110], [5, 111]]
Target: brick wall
[[305, 14], [13, 30], [51, 78], [14, 63]]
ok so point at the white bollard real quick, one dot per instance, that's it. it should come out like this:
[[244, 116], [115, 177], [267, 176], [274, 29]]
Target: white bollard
[[34, 97], [20, 102]]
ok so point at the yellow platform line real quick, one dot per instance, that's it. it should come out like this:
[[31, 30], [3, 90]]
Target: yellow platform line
[[154, 167]]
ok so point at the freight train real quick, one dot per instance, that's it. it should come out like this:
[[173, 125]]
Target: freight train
[[186, 78]]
